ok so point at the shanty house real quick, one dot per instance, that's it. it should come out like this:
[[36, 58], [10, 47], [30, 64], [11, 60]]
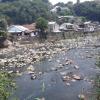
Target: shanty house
[[89, 27], [32, 29], [53, 27], [17, 30], [67, 27]]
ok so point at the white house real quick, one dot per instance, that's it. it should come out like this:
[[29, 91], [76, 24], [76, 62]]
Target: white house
[[53, 27], [70, 17], [66, 26], [54, 10], [89, 27], [17, 30]]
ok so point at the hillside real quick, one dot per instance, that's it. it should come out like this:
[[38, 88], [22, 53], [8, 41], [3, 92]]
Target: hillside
[[27, 11], [24, 11], [88, 9]]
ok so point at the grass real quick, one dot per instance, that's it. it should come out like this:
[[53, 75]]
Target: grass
[[97, 84]]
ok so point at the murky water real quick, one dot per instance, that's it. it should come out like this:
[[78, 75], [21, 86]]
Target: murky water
[[50, 84]]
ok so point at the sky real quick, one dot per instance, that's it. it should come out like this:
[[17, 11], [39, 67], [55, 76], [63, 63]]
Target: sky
[[65, 1]]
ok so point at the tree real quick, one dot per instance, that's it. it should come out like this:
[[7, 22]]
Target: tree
[[69, 4], [6, 85], [60, 4], [25, 11], [7, 0], [41, 25], [64, 9], [90, 10], [46, 1], [3, 27]]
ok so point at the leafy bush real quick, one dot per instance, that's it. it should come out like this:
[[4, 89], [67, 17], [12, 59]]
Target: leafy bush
[[6, 85], [3, 33]]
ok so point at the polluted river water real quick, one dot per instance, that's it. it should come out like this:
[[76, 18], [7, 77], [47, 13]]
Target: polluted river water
[[63, 76]]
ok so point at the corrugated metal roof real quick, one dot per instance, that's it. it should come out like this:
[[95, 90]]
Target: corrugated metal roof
[[17, 29]]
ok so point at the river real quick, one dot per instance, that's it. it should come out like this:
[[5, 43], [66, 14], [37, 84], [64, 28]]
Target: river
[[50, 84]]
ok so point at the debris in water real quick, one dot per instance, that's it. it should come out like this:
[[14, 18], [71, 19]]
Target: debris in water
[[33, 77], [30, 68], [43, 87], [76, 67], [68, 84], [81, 97], [76, 77], [40, 98]]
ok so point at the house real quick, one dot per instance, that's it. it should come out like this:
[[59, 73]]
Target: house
[[53, 27], [32, 29], [81, 27], [70, 19], [56, 8], [17, 30], [66, 19], [89, 27], [23, 30], [97, 25], [66, 27]]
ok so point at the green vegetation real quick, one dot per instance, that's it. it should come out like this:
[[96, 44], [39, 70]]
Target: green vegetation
[[64, 9], [97, 81], [3, 27], [42, 25], [24, 11], [97, 84], [3, 33], [27, 11], [6, 85], [90, 10]]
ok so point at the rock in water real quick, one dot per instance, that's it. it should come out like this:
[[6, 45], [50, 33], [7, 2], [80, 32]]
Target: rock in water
[[68, 84], [30, 68], [76, 77], [81, 97], [40, 98], [76, 67], [33, 77]]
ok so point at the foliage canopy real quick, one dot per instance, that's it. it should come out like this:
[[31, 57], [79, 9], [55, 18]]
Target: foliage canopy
[[24, 11]]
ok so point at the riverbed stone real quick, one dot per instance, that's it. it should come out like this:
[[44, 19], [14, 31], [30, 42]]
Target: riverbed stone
[[81, 96], [30, 68], [76, 67], [77, 77]]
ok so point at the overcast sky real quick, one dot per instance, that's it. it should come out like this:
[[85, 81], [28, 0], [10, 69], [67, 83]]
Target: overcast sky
[[55, 1]]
